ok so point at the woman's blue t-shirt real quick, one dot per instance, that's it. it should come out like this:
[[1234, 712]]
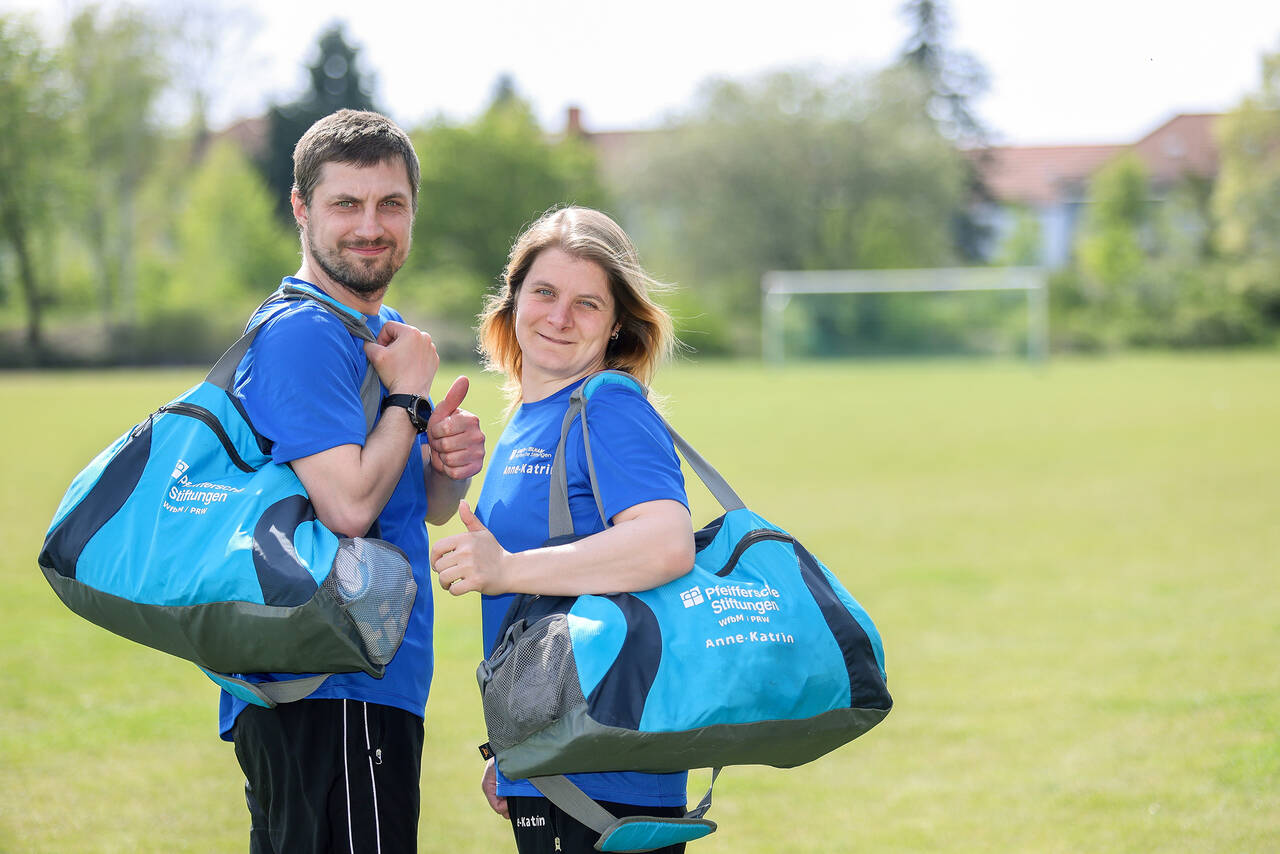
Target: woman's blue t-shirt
[[300, 385], [635, 461]]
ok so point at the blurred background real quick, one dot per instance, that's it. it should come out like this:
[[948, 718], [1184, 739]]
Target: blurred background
[[1128, 152], [1073, 564]]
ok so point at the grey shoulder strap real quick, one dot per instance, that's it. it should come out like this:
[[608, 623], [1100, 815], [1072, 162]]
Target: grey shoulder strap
[[223, 373], [560, 521]]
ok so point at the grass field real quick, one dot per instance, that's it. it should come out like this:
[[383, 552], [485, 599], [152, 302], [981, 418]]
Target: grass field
[[1074, 570]]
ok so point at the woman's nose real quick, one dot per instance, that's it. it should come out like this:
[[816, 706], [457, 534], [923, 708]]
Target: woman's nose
[[560, 315]]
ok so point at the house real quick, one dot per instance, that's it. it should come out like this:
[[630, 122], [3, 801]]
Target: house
[[1052, 182], [1049, 182]]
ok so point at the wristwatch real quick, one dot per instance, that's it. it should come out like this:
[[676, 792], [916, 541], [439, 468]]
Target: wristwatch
[[419, 408]]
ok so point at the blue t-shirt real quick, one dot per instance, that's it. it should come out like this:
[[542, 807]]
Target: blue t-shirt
[[635, 462], [300, 385]]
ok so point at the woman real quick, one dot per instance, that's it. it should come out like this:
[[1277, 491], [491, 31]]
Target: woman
[[574, 300]]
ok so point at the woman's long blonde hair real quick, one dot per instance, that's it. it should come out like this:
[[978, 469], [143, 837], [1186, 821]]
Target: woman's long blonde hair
[[646, 335]]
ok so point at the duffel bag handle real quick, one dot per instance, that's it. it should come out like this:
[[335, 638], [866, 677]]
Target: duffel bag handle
[[630, 833]]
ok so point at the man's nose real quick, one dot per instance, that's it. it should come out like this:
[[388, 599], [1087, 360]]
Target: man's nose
[[369, 227]]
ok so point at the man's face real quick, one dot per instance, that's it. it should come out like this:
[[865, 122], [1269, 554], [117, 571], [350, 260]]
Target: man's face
[[359, 224]]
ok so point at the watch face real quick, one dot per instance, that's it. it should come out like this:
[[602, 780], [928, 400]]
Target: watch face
[[419, 412]]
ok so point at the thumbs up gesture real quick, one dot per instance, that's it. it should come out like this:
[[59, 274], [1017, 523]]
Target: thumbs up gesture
[[471, 561], [455, 437]]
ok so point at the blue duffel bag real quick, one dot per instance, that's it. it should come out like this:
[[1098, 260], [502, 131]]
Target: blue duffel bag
[[757, 656], [185, 536]]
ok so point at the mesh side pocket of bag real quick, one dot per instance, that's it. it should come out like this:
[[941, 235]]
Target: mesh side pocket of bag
[[535, 685], [373, 582]]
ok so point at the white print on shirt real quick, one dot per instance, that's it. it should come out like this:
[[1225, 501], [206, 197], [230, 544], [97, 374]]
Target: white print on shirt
[[530, 454]]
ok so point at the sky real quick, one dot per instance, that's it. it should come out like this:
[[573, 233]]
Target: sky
[[1081, 72]]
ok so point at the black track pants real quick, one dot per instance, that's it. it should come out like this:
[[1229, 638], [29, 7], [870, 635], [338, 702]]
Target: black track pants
[[330, 776]]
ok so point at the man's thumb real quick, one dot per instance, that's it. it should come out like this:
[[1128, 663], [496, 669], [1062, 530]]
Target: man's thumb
[[453, 398], [468, 518]]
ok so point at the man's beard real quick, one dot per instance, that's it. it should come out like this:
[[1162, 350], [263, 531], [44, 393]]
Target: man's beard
[[367, 279]]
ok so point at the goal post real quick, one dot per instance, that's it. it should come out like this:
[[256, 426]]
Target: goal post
[[779, 286]]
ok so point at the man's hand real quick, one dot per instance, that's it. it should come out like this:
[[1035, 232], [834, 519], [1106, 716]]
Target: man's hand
[[472, 561], [455, 437], [404, 357]]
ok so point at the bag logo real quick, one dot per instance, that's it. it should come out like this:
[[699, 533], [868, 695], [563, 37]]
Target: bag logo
[[692, 596], [194, 498]]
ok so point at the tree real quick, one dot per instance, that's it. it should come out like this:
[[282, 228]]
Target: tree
[[115, 73], [33, 140], [207, 48], [336, 83], [227, 205], [794, 171], [954, 79], [482, 183], [1246, 200], [1110, 245], [215, 250]]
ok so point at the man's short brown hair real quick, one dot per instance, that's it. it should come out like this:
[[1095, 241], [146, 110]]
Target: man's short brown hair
[[356, 137]]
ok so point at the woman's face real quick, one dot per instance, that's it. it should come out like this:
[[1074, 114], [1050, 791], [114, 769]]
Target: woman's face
[[565, 314]]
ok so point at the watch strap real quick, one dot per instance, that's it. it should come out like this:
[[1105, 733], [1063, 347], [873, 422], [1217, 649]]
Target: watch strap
[[414, 404]]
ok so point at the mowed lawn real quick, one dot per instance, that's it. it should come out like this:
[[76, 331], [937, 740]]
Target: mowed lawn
[[1074, 569]]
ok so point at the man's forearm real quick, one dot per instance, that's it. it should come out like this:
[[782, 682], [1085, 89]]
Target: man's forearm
[[349, 485], [443, 493]]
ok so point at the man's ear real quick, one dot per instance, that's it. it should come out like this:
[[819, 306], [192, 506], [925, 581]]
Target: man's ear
[[299, 208]]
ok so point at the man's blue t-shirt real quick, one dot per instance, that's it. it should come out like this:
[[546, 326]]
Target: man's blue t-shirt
[[300, 385], [635, 462]]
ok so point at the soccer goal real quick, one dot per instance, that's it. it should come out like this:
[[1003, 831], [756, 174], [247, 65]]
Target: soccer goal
[[779, 286]]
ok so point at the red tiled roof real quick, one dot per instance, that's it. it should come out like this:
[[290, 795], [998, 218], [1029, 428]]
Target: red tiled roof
[[1041, 174], [1183, 145]]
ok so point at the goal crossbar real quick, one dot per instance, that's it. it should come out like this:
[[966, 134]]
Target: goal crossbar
[[778, 286]]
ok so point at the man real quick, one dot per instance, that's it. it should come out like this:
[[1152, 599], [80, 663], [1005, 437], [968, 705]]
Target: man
[[339, 771]]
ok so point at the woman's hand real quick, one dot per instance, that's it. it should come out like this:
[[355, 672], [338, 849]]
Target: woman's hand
[[489, 785], [469, 562]]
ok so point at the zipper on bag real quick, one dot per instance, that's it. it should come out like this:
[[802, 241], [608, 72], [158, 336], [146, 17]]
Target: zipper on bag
[[202, 414]]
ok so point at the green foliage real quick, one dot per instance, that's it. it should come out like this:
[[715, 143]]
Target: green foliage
[[1072, 568], [32, 114], [1110, 242], [1247, 197], [481, 184], [1191, 264], [115, 74], [336, 83], [229, 244], [1021, 247], [793, 172], [219, 251], [954, 78]]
